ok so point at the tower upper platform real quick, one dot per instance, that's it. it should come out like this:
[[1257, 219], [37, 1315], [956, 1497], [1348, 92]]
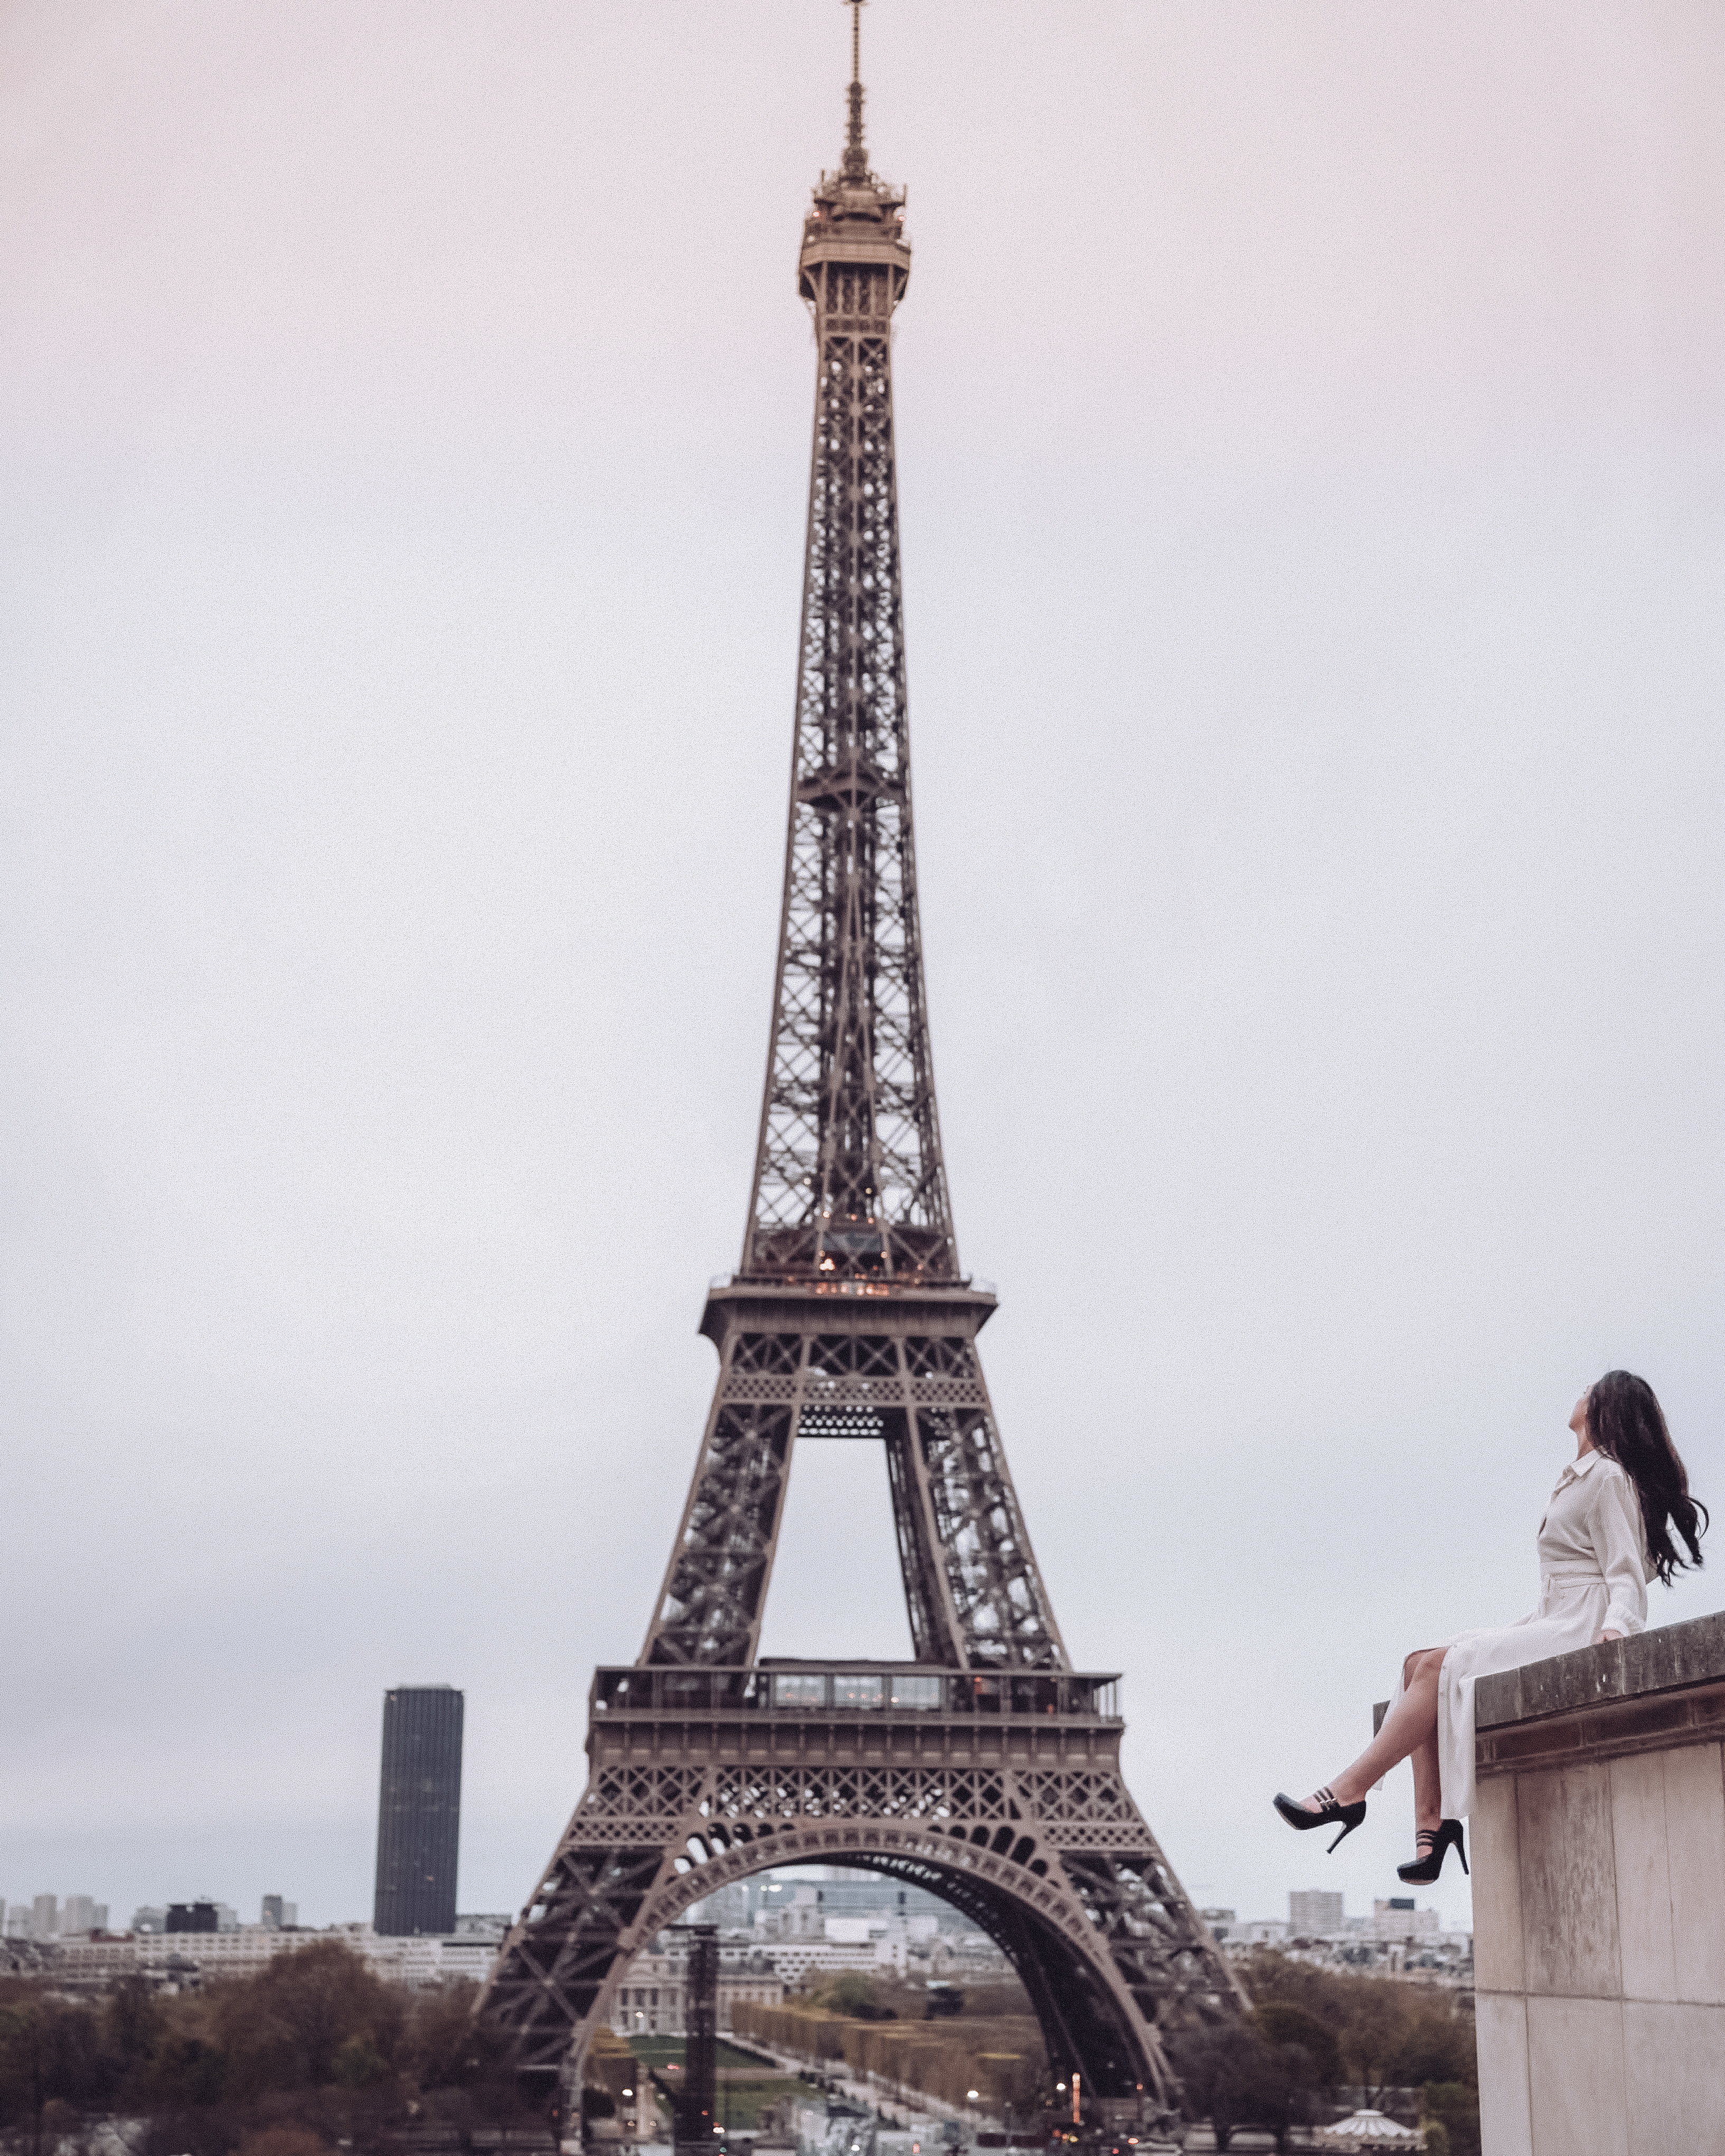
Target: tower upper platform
[[853, 219]]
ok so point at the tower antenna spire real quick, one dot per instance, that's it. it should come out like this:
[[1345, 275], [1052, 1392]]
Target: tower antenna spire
[[856, 158]]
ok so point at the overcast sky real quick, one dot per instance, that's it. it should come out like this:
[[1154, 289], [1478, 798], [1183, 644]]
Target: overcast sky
[[1311, 426]]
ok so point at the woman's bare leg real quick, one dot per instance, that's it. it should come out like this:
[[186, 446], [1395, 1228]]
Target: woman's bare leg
[[1409, 1728], [1428, 1783]]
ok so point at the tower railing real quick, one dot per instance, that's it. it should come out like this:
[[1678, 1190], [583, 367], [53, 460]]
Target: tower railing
[[861, 1688]]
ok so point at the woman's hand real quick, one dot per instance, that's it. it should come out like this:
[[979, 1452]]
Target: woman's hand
[[1600, 1638]]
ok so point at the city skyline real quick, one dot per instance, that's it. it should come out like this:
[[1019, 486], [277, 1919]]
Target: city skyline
[[1313, 628], [834, 1893]]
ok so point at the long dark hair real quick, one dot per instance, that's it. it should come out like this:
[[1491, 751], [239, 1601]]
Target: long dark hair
[[1627, 1424]]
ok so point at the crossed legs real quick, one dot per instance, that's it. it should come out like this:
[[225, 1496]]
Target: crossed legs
[[1410, 1731]]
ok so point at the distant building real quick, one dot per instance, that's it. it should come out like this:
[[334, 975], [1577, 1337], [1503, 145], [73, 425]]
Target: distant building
[[191, 1959], [401, 1957], [278, 1915], [184, 1959], [1313, 1914], [1398, 1919], [494, 1925], [192, 1916], [79, 1914], [418, 1812], [731, 1908], [1260, 1932], [45, 1917], [803, 1961], [972, 1956], [649, 2001], [800, 1914], [865, 1894], [1221, 1922], [146, 1922], [893, 1940], [767, 1903]]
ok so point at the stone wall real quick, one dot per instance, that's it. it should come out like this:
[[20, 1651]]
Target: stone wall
[[1598, 1889]]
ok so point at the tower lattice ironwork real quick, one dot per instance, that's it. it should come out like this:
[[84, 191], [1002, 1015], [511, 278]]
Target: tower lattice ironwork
[[987, 1769]]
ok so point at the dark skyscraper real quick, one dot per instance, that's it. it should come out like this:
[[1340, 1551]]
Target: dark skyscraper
[[418, 1811]]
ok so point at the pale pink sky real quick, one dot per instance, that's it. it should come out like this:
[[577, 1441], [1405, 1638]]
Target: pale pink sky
[[1313, 493]]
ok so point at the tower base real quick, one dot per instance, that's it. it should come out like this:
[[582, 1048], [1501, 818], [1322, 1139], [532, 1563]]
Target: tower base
[[1015, 1813]]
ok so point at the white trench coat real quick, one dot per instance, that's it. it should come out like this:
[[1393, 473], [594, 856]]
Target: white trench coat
[[1592, 1577]]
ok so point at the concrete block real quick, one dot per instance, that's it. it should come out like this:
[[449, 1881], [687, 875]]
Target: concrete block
[[1598, 1847], [1674, 2079], [1500, 1962], [1644, 1877], [1500, 2026], [1676, 1654], [1568, 1878], [1576, 2086], [1694, 1833], [1663, 1660]]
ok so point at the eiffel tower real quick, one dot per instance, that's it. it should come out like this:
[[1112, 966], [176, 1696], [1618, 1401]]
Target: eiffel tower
[[987, 1769]]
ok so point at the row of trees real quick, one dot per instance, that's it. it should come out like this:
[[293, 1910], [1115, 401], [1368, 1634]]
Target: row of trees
[[998, 2055], [314, 2043], [1313, 2030], [318, 2046], [1384, 2035], [1310, 2032]]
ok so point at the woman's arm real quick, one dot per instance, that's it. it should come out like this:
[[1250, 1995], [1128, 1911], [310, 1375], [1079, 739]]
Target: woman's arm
[[1615, 1524]]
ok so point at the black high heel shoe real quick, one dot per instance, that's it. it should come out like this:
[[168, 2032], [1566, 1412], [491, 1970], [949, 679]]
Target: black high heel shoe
[[1348, 1817], [1436, 1842]]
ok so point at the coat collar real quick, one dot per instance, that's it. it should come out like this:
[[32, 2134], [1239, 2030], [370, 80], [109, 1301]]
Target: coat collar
[[1573, 1470]]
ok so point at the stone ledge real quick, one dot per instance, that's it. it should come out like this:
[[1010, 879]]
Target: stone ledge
[[1616, 1729], [1660, 1689], [1672, 1658], [1655, 1999]]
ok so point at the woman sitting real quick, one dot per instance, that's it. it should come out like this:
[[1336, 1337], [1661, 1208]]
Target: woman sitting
[[1606, 1532]]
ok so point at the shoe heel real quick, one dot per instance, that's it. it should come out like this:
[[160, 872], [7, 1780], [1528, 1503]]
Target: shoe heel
[[1341, 1837]]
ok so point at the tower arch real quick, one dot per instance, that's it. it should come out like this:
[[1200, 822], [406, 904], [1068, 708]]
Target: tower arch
[[1000, 1792]]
